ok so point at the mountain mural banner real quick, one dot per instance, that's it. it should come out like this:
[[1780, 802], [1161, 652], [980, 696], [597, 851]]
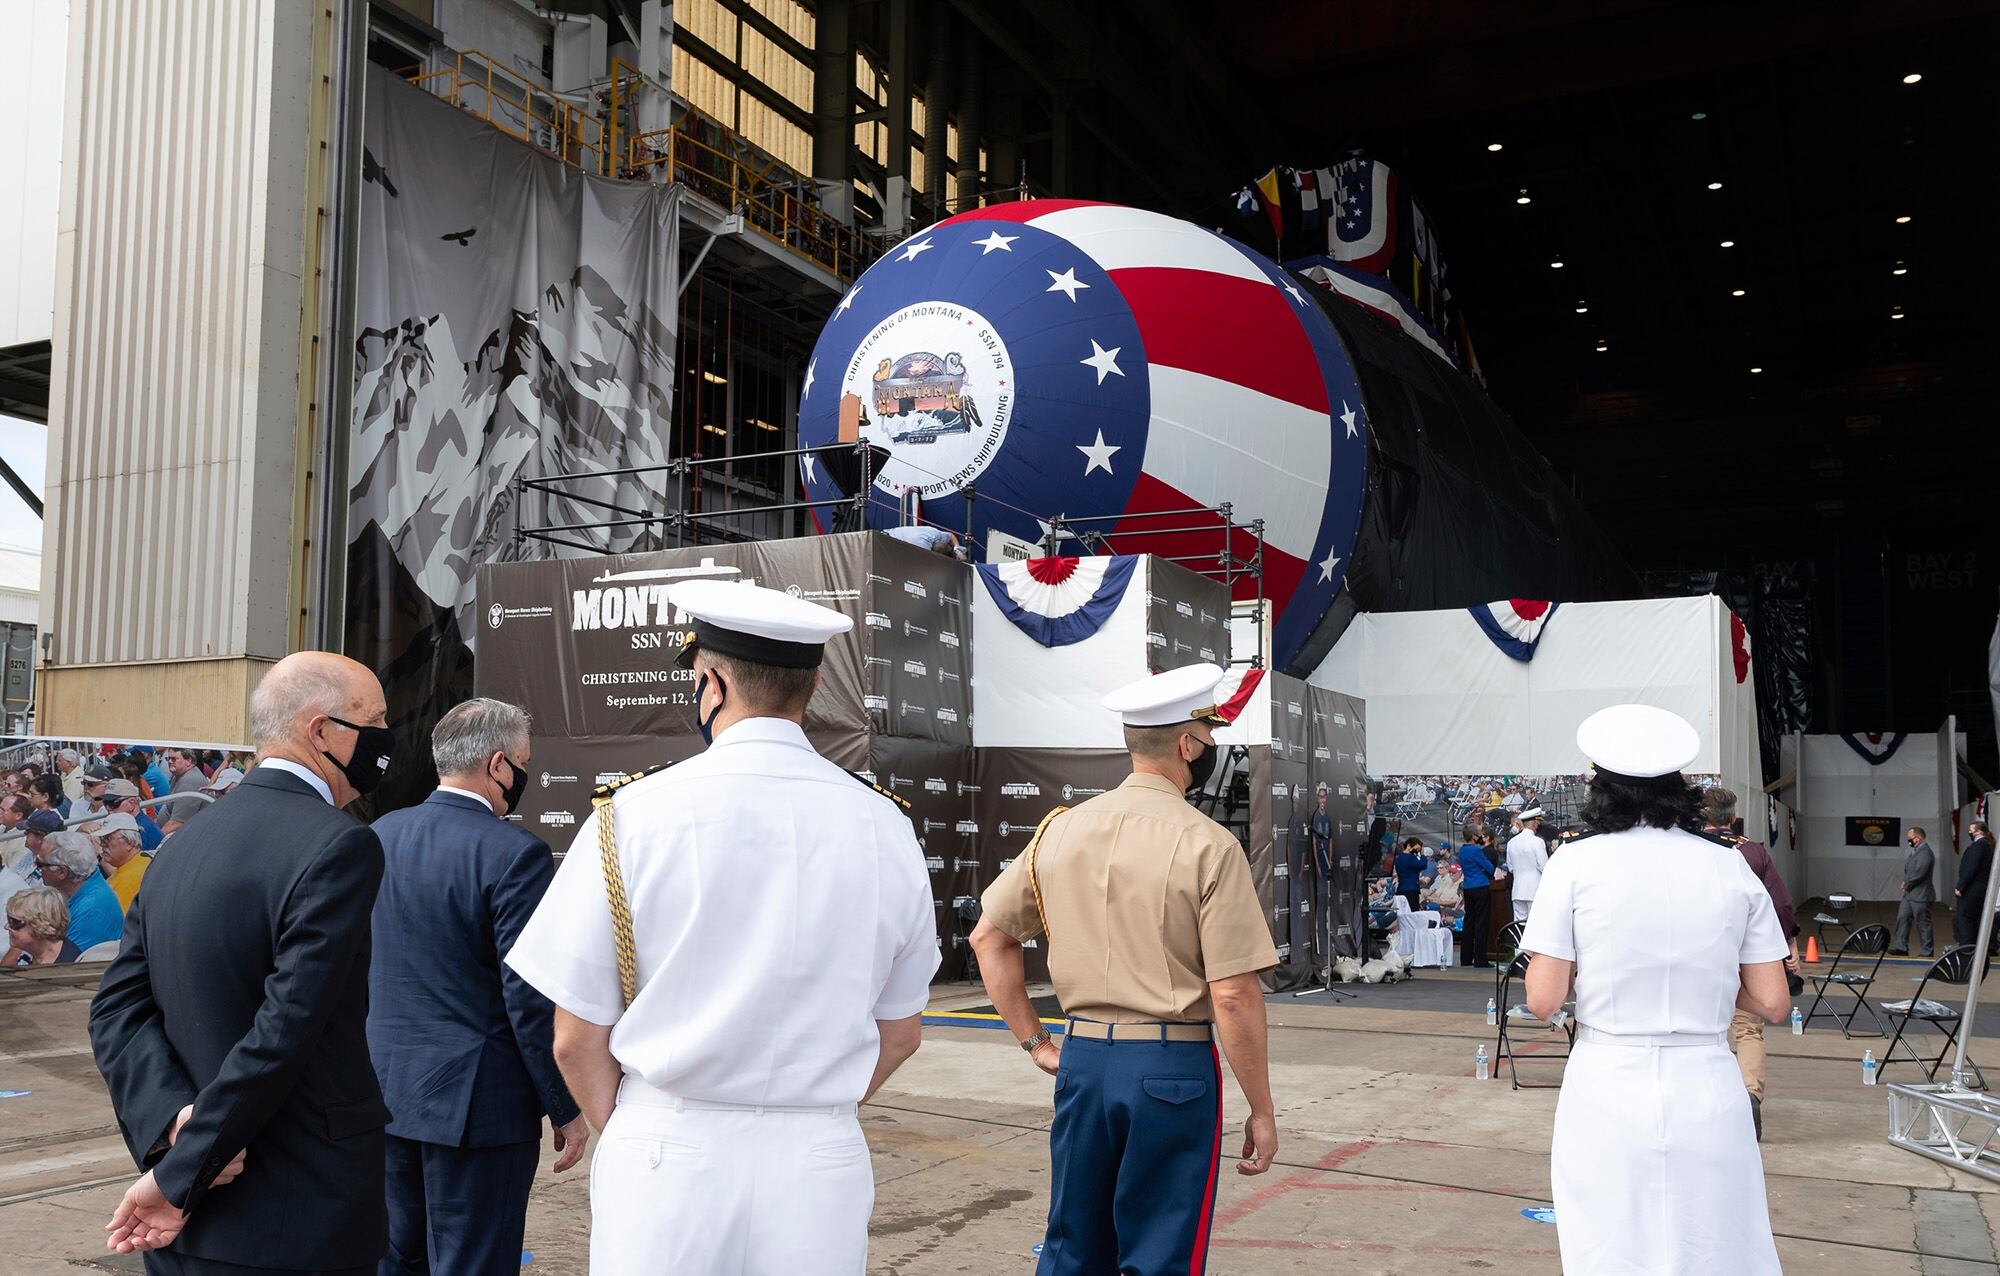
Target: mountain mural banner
[[514, 318]]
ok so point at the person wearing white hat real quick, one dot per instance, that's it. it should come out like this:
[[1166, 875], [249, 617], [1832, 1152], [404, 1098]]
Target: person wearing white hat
[[225, 779], [1155, 942], [118, 854], [730, 1144], [1527, 856], [1654, 1163]]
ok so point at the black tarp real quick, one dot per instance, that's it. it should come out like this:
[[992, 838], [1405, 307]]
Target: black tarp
[[1460, 508]]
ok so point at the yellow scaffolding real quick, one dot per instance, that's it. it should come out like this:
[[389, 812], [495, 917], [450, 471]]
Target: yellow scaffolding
[[549, 123], [777, 202]]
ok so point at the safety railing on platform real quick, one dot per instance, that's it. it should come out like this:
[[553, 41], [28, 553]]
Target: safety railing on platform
[[553, 124], [776, 202], [1236, 559]]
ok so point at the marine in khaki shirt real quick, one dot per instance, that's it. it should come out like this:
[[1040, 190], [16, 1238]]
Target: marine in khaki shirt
[[1149, 902], [1155, 939]]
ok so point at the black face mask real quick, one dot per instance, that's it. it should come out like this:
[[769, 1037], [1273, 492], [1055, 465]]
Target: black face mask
[[515, 787], [707, 725], [1202, 767], [369, 762]]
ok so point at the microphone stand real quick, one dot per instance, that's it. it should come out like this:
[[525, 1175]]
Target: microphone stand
[[1323, 927]]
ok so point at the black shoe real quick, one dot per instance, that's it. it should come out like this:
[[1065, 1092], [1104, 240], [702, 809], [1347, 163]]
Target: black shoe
[[1757, 1116], [1899, 952]]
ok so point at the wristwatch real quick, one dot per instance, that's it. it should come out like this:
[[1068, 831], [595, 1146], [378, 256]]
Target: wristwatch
[[1036, 1042]]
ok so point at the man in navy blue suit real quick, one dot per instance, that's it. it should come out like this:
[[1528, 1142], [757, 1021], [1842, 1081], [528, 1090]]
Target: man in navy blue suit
[[464, 1047]]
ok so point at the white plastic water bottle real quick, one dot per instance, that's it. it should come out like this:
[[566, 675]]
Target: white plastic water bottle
[[1492, 1012], [1868, 1067], [1481, 1065], [1798, 1023]]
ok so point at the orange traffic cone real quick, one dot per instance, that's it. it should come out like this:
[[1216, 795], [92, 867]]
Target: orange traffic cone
[[1812, 949]]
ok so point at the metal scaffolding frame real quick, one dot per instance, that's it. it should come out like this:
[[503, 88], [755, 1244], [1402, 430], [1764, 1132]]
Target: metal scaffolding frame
[[1956, 1121], [1225, 564]]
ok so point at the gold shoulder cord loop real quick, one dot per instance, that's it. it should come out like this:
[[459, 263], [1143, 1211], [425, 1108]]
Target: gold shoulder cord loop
[[1034, 883], [614, 880], [614, 887]]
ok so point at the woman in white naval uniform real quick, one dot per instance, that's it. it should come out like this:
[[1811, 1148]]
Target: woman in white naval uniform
[[1654, 1163]]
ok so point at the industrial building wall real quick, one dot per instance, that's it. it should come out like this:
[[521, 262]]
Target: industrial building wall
[[175, 403]]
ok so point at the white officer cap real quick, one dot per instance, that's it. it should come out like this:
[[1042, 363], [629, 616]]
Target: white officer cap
[[1637, 741], [749, 622], [1179, 695]]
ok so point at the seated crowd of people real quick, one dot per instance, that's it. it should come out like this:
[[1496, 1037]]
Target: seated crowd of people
[[77, 832]]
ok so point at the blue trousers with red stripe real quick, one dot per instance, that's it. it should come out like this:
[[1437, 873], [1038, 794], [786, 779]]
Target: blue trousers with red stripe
[[1134, 1153]]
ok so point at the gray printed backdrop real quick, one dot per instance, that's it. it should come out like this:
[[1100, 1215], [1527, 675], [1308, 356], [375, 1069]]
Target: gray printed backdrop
[[513, 317]]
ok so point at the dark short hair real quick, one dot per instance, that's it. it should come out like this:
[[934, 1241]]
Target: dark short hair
[[1662, 802], [1918, 831], [764, 688], [49, 787], [1718, 806]]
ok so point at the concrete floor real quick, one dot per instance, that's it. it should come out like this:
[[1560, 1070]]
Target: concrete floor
[[1392, 1158]]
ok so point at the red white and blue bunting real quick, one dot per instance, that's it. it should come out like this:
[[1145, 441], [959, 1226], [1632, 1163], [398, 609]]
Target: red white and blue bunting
[[1875, 747], [1515, 625], [1058, 601]]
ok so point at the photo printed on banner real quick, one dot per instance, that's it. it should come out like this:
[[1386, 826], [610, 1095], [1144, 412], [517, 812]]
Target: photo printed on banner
[[466, 378]]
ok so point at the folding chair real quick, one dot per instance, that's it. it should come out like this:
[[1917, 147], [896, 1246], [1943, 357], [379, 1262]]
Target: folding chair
[[1826, 916], [1509, 1013], [1955, 967], [1510, 937], [1869, 940]]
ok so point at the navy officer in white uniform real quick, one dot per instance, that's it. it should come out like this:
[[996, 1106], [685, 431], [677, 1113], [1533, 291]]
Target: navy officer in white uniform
[[1654, 1162], [745, 962]]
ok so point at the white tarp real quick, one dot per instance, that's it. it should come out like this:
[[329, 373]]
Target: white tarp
[[1442, 698], [1836, 783], [1027, 696]]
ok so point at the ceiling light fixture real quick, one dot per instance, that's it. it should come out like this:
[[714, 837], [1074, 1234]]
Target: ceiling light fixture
[[1729, 243], [1556, 264], [1736, 292], [1904, 220], [714, 378], [1522, 198], [1699, 115], [762, 424], [713, 428], [1914, 77], [1715, 186], [1900, 269], [1601, 346], [1581, 308], [1493, 146], [1755, 371], [1895, 312]]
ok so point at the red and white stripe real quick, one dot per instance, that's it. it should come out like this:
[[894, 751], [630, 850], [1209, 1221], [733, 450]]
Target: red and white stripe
[[1239, 399]]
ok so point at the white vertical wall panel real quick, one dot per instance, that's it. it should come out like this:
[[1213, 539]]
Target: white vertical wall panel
[[32, 38], [173, 408]]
